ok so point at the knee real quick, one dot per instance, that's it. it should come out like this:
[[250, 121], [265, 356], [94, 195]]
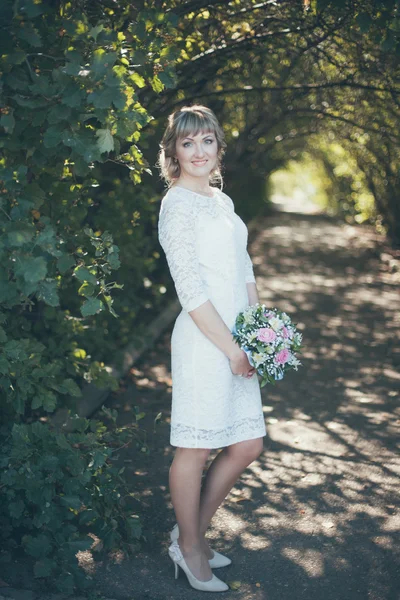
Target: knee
[[254, 449], [248, 451]]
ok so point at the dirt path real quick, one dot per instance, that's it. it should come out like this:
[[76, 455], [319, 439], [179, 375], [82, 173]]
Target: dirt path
[[316, 517]]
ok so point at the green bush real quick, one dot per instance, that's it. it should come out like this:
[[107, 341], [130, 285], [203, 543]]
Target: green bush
[[69, 103], [57, 488]]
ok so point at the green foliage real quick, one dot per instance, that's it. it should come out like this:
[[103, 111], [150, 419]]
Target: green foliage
[[61, 494], [379, 18], [69, 109], [146, 281], [331, 74], [326, 175]]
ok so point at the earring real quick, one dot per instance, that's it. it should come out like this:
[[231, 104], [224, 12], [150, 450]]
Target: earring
[[175, 159]]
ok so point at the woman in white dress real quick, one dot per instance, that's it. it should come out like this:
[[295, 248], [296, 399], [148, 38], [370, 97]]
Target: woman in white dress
[[216, 400]]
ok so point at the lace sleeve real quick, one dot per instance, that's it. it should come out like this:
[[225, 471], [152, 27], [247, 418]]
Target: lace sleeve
[[248, 267], [176, 234]]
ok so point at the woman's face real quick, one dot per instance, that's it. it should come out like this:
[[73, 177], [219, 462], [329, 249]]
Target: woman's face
[[197, 154]]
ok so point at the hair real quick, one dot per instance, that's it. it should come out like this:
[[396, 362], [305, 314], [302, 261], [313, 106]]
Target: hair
[[182, 122]]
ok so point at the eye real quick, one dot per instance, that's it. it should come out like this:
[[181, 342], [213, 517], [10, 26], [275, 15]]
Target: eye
[[210, 140], [186, 144]]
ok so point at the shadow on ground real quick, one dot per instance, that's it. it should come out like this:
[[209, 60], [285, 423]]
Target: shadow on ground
[[316, 517]]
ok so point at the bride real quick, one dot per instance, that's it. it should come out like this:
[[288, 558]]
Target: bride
[[216, 400]]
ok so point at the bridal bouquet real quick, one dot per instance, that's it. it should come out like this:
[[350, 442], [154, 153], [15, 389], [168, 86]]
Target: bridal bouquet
[[270, 340]]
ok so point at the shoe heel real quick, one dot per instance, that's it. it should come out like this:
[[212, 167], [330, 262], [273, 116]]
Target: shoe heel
[[212, 585]]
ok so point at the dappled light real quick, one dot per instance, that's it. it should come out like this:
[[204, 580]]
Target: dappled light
[[307, 96], [324, 177], [320, 505]]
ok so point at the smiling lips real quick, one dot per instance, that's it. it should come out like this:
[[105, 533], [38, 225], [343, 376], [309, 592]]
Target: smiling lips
[[199, 163]]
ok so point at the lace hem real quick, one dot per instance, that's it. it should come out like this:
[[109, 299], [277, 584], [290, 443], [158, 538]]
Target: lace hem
[[186, 436]]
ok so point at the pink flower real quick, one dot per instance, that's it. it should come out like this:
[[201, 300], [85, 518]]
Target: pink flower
[[285, 332], [282, 357], [266, 334]]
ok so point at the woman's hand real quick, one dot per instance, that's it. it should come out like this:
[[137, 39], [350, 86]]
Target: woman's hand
[[239, 364]]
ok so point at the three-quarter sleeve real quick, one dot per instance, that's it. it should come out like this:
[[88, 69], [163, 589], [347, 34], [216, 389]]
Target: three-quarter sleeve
[[248, 269], [176, 234]]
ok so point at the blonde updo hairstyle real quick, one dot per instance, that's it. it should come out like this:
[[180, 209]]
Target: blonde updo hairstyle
[[189, 121]]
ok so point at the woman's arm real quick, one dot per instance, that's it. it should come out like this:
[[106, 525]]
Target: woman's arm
[[250, 279], [252, 293], [177, 235], [209, 321]]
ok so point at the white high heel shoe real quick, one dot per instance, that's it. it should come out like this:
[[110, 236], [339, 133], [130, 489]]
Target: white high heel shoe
[[217, 561], [212, 585]]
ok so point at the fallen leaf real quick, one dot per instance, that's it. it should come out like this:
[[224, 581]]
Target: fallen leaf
[[234, 585], [238, 498]]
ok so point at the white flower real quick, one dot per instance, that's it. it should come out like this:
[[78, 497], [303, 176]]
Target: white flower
[[248, 317], [275, 323], [258, 358], [294, 362], [252, 336]]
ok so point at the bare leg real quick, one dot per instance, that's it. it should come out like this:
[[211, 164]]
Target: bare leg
[[221, 477], [185, 482]]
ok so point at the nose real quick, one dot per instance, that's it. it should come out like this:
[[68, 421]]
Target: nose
[[199, 151]]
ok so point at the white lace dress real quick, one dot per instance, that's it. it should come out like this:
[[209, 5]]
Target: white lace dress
[[205, 243]]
